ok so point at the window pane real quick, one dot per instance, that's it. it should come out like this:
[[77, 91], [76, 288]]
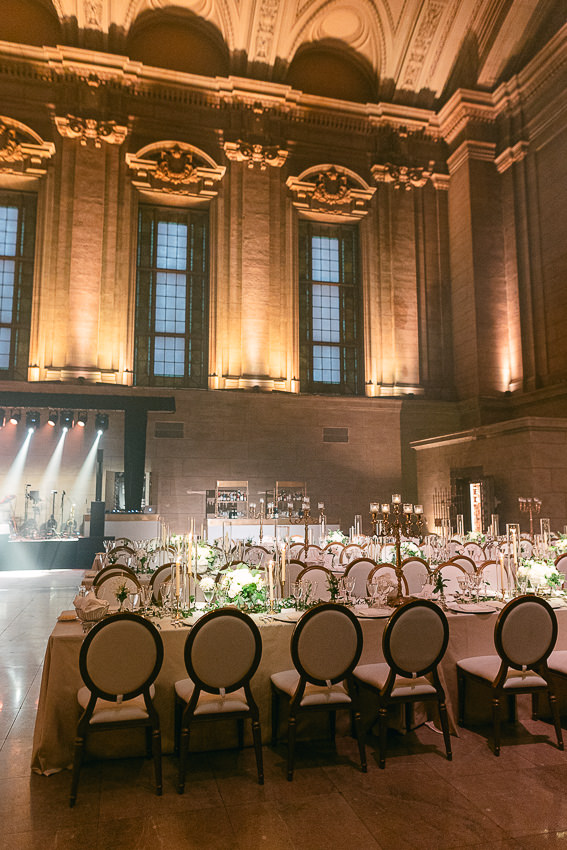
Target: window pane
[[171, 299], [171, 249], [169, 357], [326, 364], [326, 313], [8, 231], [325, 258], [5, 335], [7, 270]]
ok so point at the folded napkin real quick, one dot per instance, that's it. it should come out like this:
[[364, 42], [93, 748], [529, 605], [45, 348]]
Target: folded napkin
[[65, 616], [89, 602], [472, 607], [371, 613], [288, 615], [556, 602]]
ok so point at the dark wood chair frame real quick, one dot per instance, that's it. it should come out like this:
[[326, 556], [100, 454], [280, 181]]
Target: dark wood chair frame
[[375, 571], [295, 706], [496, 687], [385, 697], [185, 711], [151, 723], [161, 569], [114, 569]]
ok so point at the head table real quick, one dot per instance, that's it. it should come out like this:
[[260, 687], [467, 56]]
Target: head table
[[58, 710]]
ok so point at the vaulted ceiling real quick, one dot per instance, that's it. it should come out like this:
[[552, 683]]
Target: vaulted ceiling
[[413, 51]]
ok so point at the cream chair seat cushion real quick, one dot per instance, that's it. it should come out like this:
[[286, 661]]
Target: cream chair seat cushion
[[376, 675], [487, 667], [288, 680], [557, 661], [107, 711], [212, 703]]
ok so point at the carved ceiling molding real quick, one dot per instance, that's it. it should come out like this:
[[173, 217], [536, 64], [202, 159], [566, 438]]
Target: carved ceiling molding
[[265, 29], [332, 191], [175, 168], [90, 130], [404, 177], [421, 43], [255, 154], [510, 155], [21, 151]]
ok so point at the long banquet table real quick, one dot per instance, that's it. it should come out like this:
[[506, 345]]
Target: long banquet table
[[58, 710]]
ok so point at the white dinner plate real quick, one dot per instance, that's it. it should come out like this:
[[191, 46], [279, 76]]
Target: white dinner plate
[[288, 615], [371, 613], [472, 608]]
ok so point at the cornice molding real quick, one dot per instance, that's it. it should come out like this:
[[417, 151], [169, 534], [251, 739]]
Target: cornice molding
[[332, 192], [463, 109], [21, 151], [471, 150], [510, 155], [253, 153], [175, 168], [90, 130], [402, 176]]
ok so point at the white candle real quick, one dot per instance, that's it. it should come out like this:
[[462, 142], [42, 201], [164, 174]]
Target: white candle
[[283, 564], [271, 581], [177, 579]]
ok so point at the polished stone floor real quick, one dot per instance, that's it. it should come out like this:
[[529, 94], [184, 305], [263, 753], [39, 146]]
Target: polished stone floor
[[420, 801]]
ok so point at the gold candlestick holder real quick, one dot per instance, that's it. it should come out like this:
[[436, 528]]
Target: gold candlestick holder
[[531, 506], [401, 519]]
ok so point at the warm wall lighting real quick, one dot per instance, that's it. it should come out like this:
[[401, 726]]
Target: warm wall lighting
[[15, 417], [52, 418], [2, 418], [82, 418]]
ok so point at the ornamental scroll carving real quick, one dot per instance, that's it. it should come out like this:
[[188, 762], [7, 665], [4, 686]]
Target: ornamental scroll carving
[[403, 176], [175, 169], [90, 130], [23, 153], [331, 191], [255, 154]]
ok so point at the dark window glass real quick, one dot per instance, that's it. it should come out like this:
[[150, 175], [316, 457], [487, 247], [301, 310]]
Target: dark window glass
[[329, 288], [172, 298]]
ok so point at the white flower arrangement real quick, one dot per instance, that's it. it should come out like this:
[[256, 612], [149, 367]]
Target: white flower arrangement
[[475, 537], [207, 583], [539, 573], [234, 581], [334, 537], [408, 550]]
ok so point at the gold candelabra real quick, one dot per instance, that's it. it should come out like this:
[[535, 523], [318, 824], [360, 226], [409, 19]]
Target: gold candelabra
[[401, 519], [374, 509], [530, 506]]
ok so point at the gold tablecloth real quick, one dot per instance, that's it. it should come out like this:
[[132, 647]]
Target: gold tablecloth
[[58, 710]]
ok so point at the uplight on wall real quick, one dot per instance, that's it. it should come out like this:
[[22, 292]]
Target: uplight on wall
[[66, 419], [82, 419], [101, 422], [15, 417], [52, 418], [32, 420]]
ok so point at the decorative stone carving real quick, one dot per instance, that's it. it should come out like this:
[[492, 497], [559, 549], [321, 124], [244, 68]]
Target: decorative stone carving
[[90, 130], [266, 27], [175, 168], [255, 154], [331, 191], [20, 155], [403, 176], [93, 13], [421, 42], [512, 154]]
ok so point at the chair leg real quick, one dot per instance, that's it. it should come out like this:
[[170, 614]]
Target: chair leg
[[408, 710], [183, 747], [496, 724], [445, 727], [178, 714], [257, 736], [383, 733], [275, 715], [240, 728], [556, 719], [149, 742], [512, 713], [291, 732], [359, 734], [156, 747], [77, 762], [460, 698], [535, 705], [332, 725]]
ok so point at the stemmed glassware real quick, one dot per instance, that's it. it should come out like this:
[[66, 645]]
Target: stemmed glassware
[[297, 592]]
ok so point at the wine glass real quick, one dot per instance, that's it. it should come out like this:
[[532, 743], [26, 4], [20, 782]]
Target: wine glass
[[134, 599], [208, 594], [371, 591], [350, 583], [297, 592]]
